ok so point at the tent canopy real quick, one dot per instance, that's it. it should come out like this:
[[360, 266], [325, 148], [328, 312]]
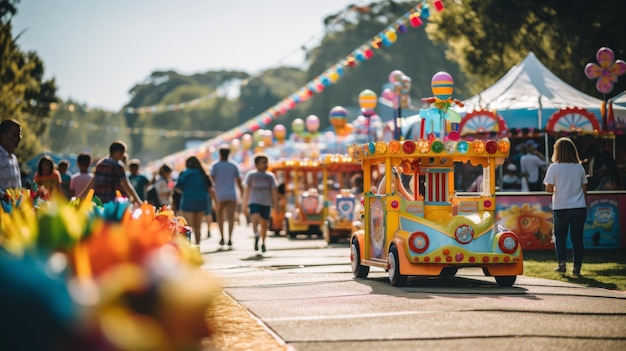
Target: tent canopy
[[529, 94]]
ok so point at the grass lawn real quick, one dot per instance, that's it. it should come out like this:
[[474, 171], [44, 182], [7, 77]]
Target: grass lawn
[[601, 268]]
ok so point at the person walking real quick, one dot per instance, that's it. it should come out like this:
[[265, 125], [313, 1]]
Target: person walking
[[10, 137], [225, 174], [566, 180], [259, 195], [110, 177], [195, 187], [138, 181], [80, 180]]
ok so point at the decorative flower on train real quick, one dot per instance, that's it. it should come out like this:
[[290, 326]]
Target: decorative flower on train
[[442, 85], [450, 146], [423, 146], [478, 146], [606, 71], [394, 146], [280, 133]]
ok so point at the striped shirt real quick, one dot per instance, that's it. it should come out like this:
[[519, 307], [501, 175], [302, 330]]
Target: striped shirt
[[10, 176]]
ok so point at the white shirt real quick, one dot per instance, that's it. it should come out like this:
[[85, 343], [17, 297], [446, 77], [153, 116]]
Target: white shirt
[[568, 180], [530, 164]]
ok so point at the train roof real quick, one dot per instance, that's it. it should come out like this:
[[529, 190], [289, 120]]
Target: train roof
[[459, 150]]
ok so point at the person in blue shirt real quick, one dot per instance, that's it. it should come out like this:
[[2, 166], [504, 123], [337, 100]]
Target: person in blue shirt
[[195, 186]]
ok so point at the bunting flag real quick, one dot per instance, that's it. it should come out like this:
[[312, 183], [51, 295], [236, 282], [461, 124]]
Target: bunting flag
[[415, 17]]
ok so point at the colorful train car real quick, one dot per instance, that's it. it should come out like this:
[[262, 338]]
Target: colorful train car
[[308, 191], [417, 224]]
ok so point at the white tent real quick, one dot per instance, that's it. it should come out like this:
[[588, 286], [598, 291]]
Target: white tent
[[530, 96], [620, 99]]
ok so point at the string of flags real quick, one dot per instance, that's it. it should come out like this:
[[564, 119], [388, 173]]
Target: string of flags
[[415, 18]]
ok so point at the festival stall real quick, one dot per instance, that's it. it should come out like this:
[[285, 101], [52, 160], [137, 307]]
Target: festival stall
[[532, 102]]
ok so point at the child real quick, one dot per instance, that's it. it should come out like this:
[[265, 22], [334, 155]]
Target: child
[[139, 181], [259, 195], [46, 175], [80, 180]]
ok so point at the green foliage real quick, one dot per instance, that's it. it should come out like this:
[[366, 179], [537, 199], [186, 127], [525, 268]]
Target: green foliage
[[487, 37], [74, 128], [24, 95]]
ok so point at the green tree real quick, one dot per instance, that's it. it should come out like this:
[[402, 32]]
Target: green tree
[[487, 37], [24, 95]]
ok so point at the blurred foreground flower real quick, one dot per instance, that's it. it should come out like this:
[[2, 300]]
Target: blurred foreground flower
[[128, 278]]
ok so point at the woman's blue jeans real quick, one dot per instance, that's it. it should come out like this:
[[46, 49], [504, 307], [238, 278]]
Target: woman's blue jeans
[[569, 220]]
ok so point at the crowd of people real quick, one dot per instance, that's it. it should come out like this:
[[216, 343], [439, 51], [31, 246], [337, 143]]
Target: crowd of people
[[215, 193], [211, 193]]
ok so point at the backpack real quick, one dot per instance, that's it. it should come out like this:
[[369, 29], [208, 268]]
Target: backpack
[[152, 197]]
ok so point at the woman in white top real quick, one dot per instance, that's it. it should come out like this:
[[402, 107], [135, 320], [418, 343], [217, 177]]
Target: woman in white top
[[566, 180]]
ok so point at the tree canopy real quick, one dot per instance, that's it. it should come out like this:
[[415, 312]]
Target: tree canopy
[[477, 42], [487, 37], [24, 95]]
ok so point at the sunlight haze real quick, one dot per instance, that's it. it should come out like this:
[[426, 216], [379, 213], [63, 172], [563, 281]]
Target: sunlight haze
[[98, 50]]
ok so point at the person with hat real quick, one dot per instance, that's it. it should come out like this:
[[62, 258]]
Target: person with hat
[[511, 180]]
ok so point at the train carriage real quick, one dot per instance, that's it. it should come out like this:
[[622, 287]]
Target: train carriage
[[417, 224]]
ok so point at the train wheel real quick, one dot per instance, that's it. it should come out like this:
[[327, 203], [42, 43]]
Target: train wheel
[[395, 278], [358, 269], [506, 280]]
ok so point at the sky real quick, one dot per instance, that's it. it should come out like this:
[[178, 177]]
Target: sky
[[98, 50]]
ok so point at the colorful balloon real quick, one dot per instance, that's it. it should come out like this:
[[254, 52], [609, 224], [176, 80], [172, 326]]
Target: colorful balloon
[[297, 126], [338, 116], [442, 85], [312, 123], [368, 99], [395, 77], [607, 70], [280, 132]]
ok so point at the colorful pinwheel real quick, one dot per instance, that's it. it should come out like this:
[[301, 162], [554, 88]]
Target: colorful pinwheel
[[606, 71]]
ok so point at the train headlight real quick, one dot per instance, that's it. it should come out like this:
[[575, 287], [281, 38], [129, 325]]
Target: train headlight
[[508, 242], [418, 242], [464, 233]]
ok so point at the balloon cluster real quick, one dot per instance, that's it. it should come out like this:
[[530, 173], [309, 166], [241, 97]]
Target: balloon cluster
[[399, 95]]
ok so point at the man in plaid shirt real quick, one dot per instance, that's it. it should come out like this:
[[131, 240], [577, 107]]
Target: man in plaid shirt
[[110, 177]]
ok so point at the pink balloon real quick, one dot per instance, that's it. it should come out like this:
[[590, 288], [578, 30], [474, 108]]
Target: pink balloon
[[395, 77], [312, 123]]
